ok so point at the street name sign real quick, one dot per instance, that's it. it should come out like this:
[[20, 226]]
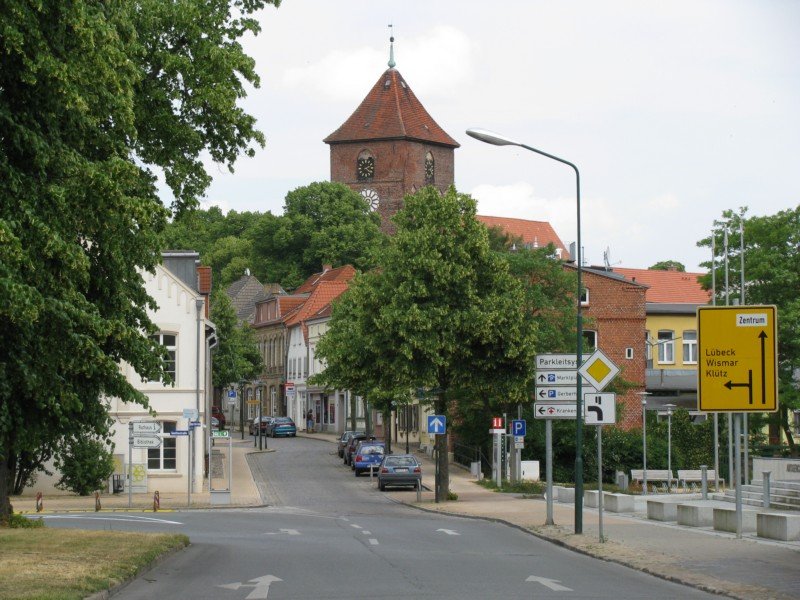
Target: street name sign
[[598, 370], [146, 441], [152, 427], [600, 409], [560, 394], [437, 424], [556, 361], [555, 410], [737, 369], [179, 432]]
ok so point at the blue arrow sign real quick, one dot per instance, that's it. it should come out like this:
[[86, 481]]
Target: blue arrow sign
[[437, 424], [518, 427], [231, 393]]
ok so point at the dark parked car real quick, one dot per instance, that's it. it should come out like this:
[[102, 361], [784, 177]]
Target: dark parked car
[[344, 439], [351, 446], [368, 455], [281, 426], [263, 422], [399, 470]]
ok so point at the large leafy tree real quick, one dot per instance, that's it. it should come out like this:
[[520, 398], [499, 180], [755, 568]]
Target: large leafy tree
[[237, 355], [93, 98], [772, 276], [442, 313]]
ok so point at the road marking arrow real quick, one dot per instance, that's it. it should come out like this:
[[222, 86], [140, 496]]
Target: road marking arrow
[[553, 584], [449, 531], [260, 586], [286, 531]]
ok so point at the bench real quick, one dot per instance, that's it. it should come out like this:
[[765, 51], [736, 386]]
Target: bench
[[662, 510], [695, 515], [692, 478], [725, 520], [778, 526], [662, 477], [619, 503]]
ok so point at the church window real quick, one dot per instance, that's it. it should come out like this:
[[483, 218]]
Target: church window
[[429, 168]]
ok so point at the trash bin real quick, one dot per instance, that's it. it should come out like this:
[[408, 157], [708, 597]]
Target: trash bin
[[118, 483]]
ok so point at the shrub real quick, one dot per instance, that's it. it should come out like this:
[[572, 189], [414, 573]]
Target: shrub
[[85, 464]]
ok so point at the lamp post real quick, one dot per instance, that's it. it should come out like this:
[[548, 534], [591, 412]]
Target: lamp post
[[644, 396], [669, 408], [497, 139]]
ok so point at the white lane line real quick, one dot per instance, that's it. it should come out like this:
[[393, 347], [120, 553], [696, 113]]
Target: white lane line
[[354, 525], [373, 541], [131, 518], [365, 532]]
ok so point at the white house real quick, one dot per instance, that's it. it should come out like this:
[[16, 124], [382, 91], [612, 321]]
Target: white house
[[180, 289]]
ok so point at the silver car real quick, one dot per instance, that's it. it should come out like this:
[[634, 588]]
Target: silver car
[[399, 470]]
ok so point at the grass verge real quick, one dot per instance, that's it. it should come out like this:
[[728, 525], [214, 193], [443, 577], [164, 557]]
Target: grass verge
[[66, 564]]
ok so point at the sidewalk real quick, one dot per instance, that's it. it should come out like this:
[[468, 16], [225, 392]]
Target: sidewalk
[[244, 491], [714, 561]]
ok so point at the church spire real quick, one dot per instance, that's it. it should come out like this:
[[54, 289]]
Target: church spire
[[391, 48]]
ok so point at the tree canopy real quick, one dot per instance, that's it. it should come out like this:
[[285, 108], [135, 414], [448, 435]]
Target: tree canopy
[[95, 100], [669, 265], [322, 223]]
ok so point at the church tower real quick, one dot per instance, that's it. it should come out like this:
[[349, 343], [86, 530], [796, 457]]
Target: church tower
[[390, 146]]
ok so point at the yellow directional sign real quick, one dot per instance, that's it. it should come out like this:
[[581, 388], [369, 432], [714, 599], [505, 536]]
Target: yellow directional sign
[[738, 369]]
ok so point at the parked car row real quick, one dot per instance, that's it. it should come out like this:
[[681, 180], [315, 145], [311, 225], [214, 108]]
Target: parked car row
[[364, 453], [273, 426]]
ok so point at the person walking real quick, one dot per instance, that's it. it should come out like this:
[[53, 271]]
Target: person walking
[[310, 422]]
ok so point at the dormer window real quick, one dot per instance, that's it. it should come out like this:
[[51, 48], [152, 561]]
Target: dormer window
[[429, 168], [365, 166]]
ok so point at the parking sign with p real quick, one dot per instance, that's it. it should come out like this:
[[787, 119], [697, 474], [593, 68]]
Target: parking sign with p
[[518, 427]]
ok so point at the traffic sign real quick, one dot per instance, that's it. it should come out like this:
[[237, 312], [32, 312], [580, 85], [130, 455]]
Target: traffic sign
[[231, 393], [289, 388], [190, 413], [146, 427], [497, 422], [556, 361], [146, 441], [560, 394], [554, 410], [437, 424], [551, 377], [193, 424], [518, 427], [738, 368], [220, 433], [600, 409], [179, 432], [598, 370]]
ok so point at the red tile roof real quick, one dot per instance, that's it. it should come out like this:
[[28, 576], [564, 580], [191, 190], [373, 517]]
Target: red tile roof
[[345, 273], [671, 287], [322, 296], [391, 111], [535, 234]]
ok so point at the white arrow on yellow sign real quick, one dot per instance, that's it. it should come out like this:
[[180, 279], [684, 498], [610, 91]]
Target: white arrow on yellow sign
[[598, 370]]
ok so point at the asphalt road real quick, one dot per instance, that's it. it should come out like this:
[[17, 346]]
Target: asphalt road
[[328, 534]]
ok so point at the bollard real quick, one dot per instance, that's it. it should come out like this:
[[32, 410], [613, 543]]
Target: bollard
[[370, 474], [419, 491], [704, 481], [97, 502], [39, 502], [156, 501], [766, 475]]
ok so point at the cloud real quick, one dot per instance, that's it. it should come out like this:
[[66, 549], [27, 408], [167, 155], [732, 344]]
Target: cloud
[[435, 61], [664, 202]]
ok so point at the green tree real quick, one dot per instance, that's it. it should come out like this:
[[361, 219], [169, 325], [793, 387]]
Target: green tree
[[85, 464], [669, 265], [772, 276], [236, 356], [442, 313], [94, 97]]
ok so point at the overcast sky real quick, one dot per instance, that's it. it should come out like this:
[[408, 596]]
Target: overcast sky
[[673, 111]]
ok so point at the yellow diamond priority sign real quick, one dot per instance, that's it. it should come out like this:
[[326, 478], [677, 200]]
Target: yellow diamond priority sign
[[598, 370], [737, 366]]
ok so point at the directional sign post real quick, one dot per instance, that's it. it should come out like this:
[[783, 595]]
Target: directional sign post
[[146, 427], [146, 441], [737, 371]]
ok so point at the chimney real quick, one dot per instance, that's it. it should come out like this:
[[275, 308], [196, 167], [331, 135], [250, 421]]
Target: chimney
[[204, 286], [326, 268]]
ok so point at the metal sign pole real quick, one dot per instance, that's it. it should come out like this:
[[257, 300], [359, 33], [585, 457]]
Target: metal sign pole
[[600, 479], [548, 433], [738, 472], [189, 470], [130, 462]]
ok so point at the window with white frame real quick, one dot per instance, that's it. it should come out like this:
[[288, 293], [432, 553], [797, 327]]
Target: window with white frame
[[252, 409], [164, 458], [170, 342], [648, 346], [666, 346], [690, 347], [585, 297]]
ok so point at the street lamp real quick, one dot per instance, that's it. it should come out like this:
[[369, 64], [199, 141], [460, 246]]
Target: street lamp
[[644, 396], [669, 408], [497, 139]]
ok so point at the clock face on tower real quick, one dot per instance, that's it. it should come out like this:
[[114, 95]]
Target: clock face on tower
[[371, 196], [365, 169]]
